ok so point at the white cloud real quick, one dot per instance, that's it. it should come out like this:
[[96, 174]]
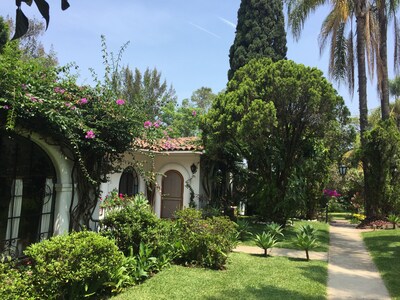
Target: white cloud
[[205, 30], [227, 22]]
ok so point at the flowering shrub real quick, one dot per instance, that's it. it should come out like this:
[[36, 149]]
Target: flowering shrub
[[359, 217], [113, 199], [91, 124]]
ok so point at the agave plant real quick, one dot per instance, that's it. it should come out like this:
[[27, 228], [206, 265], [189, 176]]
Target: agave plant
[[394, 219], [308, 230], [274, 229], [306, 239], [265, 241], [243, 229]]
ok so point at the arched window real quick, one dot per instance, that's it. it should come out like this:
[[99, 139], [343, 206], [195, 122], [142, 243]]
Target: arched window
[[129, 182], [27, 178]]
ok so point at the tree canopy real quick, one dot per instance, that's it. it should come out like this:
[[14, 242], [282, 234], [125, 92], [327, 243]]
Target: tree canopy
[[260, 32], [284, 119]]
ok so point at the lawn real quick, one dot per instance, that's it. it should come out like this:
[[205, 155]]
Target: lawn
[[384, 246], [246, 277], [340, 215], [288, 241]]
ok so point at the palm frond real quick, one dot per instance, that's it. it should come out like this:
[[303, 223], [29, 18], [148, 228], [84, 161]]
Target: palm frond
[[298, 12]]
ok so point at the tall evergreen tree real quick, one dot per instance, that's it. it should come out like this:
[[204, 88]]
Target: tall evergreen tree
[[260, 32]]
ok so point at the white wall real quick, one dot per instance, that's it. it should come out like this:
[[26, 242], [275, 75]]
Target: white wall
[[162, 162]]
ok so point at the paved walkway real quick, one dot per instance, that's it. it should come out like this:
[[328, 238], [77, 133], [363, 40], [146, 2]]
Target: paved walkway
[[351, 272], [282, 252]]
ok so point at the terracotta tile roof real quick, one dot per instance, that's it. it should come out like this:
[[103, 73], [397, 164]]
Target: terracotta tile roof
[[172, 144]]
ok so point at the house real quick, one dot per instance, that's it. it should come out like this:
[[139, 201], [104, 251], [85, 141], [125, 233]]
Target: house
[[36, 185]]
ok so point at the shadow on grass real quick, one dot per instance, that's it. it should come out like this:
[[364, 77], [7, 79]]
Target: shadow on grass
[[262, 292], [384, 247]]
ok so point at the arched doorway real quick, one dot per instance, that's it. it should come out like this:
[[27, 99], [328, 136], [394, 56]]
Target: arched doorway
[[27, 179], [172, 194], [129, 182]]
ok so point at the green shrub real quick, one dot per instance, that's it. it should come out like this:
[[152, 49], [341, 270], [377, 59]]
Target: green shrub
[[129, 226], [14, 281], [394, 219], [204, 242], [306, 239], [73, 266], [265, 241], [274, 229], [243, 229]]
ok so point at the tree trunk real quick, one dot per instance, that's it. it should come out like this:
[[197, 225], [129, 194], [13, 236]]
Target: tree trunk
[[383, 77], [361, 9], [307, 255]]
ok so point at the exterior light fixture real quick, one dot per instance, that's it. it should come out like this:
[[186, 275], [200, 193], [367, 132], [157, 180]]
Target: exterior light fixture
[[342, 170], [193, 168]]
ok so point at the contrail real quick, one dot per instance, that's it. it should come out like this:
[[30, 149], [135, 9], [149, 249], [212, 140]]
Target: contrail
[[227, 22], [205, 30]]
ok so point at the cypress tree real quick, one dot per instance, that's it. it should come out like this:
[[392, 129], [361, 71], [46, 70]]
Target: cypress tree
[[260, 32]]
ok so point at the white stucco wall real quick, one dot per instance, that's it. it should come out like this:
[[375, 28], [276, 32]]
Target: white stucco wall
[[180, 161]]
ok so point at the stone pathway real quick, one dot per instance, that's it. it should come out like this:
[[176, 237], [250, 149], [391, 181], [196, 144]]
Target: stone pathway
[[282, 252], [351, 271]]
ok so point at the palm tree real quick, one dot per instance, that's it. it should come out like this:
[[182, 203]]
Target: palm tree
[[386, 10], [342, 59]]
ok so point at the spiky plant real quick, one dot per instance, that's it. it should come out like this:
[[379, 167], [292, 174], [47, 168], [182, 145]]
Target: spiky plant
[[394, 219], [274, 229], [265, 241], [306, 239]]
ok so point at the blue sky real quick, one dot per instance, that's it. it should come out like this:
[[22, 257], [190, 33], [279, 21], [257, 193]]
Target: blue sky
[[188, 41]]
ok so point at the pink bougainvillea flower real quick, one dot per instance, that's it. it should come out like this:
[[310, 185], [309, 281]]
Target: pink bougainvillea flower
[[6, 107], [120, 101], [33, 99], [168, 145], [90, 134], [59, 90], [147, 124], [83, 101], [67, 104], [331, 193], [194, 113], [73, 107], [156, 124]]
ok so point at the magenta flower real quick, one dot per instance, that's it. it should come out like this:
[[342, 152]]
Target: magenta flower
[[6, 107], [90, 134], [156, 124], [67, 104], [59, 90], [194, 113], [120, 102], [83, 101], [147, 124], [331, 193], [33, 99]]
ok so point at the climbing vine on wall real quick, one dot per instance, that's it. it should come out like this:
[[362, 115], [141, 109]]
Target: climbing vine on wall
[[92, 125]]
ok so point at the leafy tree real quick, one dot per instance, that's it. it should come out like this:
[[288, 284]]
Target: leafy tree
[[182, 120], [146, 92], [281, 117], [342, 59], [3, 34], [394, 87], [260, 32], [22, 22], [203, 98]]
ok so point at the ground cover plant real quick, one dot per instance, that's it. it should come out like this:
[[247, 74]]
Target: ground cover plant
[[246, 277], [384, 246], [290, 235]]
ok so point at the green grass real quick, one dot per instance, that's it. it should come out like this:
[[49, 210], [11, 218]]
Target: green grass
[[384, 246], [246, 277], [288, 241], [340, 215]]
